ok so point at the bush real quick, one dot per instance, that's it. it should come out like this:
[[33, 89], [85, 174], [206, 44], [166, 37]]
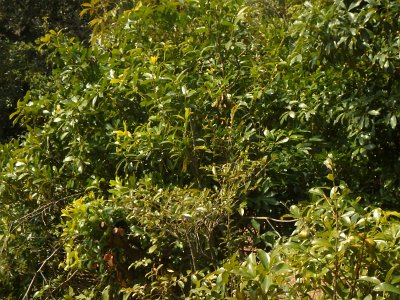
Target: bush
[[339, 250]]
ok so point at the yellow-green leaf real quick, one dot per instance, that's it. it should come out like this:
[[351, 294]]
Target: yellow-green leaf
[[152, 248]]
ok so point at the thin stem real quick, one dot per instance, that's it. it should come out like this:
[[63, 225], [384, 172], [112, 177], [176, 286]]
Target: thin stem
[[359, 264], [336, 213], [39, 211], [38, 271], [273, 219]]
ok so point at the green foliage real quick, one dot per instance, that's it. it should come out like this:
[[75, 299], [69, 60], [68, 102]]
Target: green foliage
[[26, 21], [339, 250], [156, 151], [166, 231], [342, 62], [21, 65], [20, 70]]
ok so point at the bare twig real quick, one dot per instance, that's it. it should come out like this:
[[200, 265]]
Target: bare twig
[[6, 237], [272, 219], [272, 226], [68, 279], [39, 211], [38, 271]]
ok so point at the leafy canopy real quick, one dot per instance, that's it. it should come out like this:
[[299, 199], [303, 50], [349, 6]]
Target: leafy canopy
[[183, 132]]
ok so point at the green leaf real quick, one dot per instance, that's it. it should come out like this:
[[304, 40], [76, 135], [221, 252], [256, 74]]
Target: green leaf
[[251, 269], [105, 295], [38, 294], [282, 141], [264, 258], [152, 248], [376, 214], [321, 243], [297, 58], [115, 80], [393, 213], [396, 279], [181, 284], [374, 112], [240, 15], [19, 163], [386, 287], [255, 225], [373, 280], [241, 211], [388, 277], [68, 158], [330, 177], [280, 268], [266, 283], [194, 279], [393, 122], [317, 191], [251, 259], [295, 211], [354, 5]]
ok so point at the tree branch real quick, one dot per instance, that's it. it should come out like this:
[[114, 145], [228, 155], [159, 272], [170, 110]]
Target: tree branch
[[272, 219], [38, 271]]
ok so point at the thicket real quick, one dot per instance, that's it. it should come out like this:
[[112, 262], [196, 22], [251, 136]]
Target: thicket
[[204, 149], [21, 66]]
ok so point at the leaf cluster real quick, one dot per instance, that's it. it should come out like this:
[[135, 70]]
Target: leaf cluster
[[338, 250]]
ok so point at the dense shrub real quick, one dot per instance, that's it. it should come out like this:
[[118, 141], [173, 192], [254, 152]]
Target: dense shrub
[[183, 131]]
